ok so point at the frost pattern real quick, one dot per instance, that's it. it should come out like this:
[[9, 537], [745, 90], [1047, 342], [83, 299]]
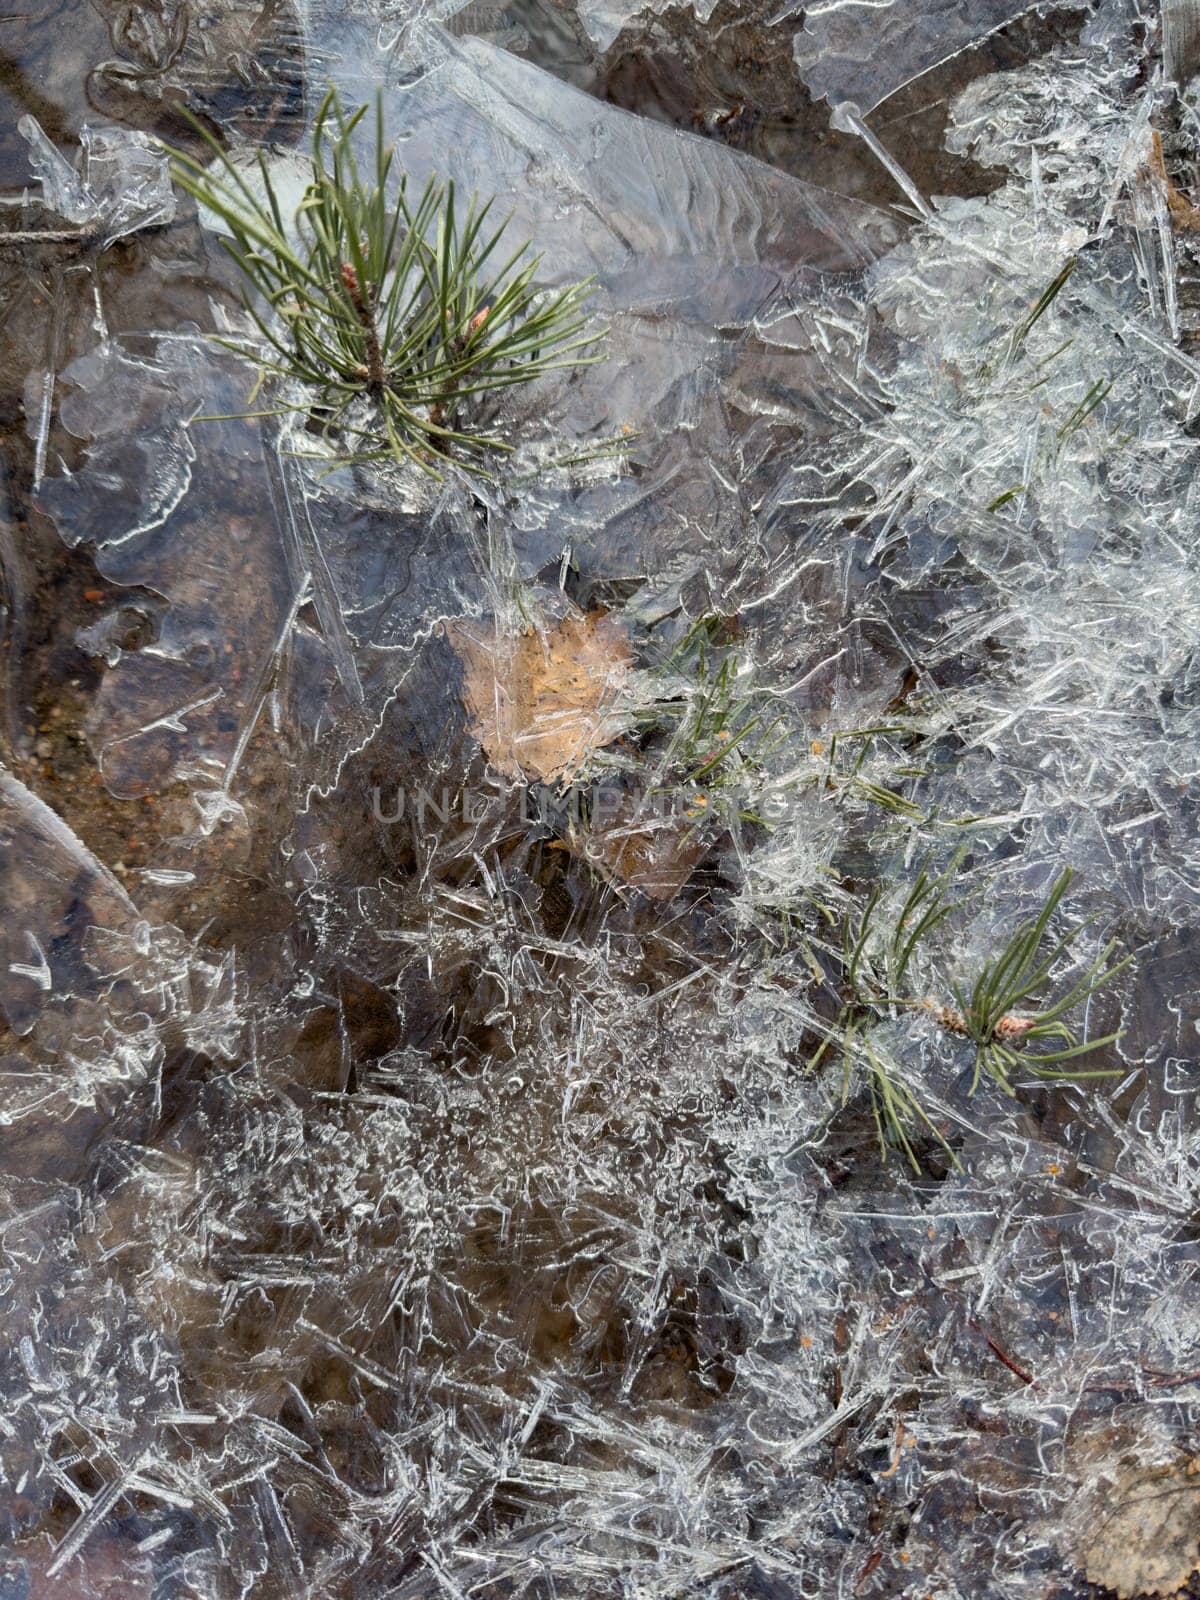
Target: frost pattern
[[432, 1217], [122, 183]]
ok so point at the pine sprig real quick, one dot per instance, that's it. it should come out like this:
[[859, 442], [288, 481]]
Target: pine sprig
[[991, 1014], [380, 317], [1000, 1014]]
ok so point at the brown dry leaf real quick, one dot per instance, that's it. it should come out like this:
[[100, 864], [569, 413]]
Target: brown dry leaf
[[656, 857], [540, 704], [1143, 1531], [1183, 213]]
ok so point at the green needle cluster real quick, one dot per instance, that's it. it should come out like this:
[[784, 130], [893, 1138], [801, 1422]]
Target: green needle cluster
[[991, 1014], [999, 1014], [380, 317]]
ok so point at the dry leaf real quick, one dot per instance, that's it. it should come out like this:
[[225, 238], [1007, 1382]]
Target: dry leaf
[[656, 857], [1140, 1535], [1183, 213], [541, 704]]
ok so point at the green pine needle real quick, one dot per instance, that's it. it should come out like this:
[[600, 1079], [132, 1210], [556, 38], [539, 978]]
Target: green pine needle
[[720, 731]]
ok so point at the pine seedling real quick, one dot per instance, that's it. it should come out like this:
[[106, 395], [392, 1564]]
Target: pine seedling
[[1000, 1014], [991, 1014], [385, 319]]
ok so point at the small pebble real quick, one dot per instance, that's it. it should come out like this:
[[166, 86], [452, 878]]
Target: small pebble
[[43, 749]]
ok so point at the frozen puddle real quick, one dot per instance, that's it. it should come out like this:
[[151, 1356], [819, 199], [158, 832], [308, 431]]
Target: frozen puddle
[[530, 1065]]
